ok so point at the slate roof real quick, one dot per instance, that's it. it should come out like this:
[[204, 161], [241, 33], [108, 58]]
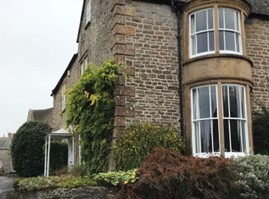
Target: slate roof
[[4, 143], [260, 7], [41, 115], [72, 61]]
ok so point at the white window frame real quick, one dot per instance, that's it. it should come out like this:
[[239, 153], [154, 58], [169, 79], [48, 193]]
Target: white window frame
[[229, 154], [194, 34], [88, 11], [198, 120], [237, 19]]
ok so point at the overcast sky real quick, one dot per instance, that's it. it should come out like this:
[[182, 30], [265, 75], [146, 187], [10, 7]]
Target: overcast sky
[[37, 41]]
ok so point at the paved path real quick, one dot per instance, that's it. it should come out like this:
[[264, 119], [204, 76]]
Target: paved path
[[6, 188]]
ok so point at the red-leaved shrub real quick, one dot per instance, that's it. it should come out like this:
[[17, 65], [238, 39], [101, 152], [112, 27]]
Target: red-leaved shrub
[[167, 174]]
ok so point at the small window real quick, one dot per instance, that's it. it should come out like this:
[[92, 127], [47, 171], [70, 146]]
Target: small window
[[83, 65], [202, 32], [229, 31], [89, 12]]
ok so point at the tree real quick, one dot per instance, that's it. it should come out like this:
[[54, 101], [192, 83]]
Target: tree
[[27, 149]]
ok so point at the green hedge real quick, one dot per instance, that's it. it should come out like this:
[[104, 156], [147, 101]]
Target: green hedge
[[27, 149]]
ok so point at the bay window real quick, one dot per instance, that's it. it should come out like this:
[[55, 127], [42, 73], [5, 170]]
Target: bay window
[[202, 32], [206, 129]]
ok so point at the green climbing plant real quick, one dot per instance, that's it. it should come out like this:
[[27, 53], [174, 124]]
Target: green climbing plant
[[90, 109]]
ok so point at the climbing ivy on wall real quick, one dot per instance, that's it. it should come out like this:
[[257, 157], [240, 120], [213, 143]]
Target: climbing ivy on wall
[[90, 109]]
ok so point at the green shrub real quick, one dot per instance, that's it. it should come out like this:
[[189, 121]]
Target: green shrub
[[39, 183], [79, 170], [116, 178], [58, 156], [139, 140], [90, 108], [166, 174], [27, 149], [253, 177], [261, 132]]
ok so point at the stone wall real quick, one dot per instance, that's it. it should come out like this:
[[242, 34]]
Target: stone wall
[[81, 193], [95, 38], [257, 41], [70, 79], [145, 40]]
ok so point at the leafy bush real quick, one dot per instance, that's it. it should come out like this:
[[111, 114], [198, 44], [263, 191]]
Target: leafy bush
[[261, 132], [58, 156], [39, 183], [79, 170], [90, 108], [27, 149], [139, 140], [253, 177], [116, 178], [166, 174]]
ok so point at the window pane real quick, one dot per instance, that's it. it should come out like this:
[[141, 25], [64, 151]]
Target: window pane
[[201, 42], [221, 40], [221, 22], [225, 101], [192, 24], [214, 107], [197, 137], [210, 19], [226, 136], [193, 39], [206, 140], [237, 42], [234, 101], [237, 21], [229, 19], [244, 136], [194, 104], [216, 136], [204, 107], [243, 102], [201, 23], [211, 41], [229, 36], [235, 135]]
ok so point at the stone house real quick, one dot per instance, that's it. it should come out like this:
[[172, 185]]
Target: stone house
[[5, 158], [199, 64]]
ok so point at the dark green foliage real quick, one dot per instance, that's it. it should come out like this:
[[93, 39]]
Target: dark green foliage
[[90, 108], [27, 149], [166, 174], [58, 156], [261, 132], [139, 140]]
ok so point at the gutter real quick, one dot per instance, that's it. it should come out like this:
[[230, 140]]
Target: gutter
[[177, 9]]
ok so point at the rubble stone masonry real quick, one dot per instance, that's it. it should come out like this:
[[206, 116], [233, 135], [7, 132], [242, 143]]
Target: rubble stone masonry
[[146, 41], [257, 42]]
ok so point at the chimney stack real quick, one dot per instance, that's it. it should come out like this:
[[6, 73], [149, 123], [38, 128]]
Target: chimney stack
[[10, 135]]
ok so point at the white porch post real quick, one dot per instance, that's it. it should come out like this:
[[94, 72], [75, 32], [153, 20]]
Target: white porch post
[[45, 163], [79, 150], [48, 162]]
